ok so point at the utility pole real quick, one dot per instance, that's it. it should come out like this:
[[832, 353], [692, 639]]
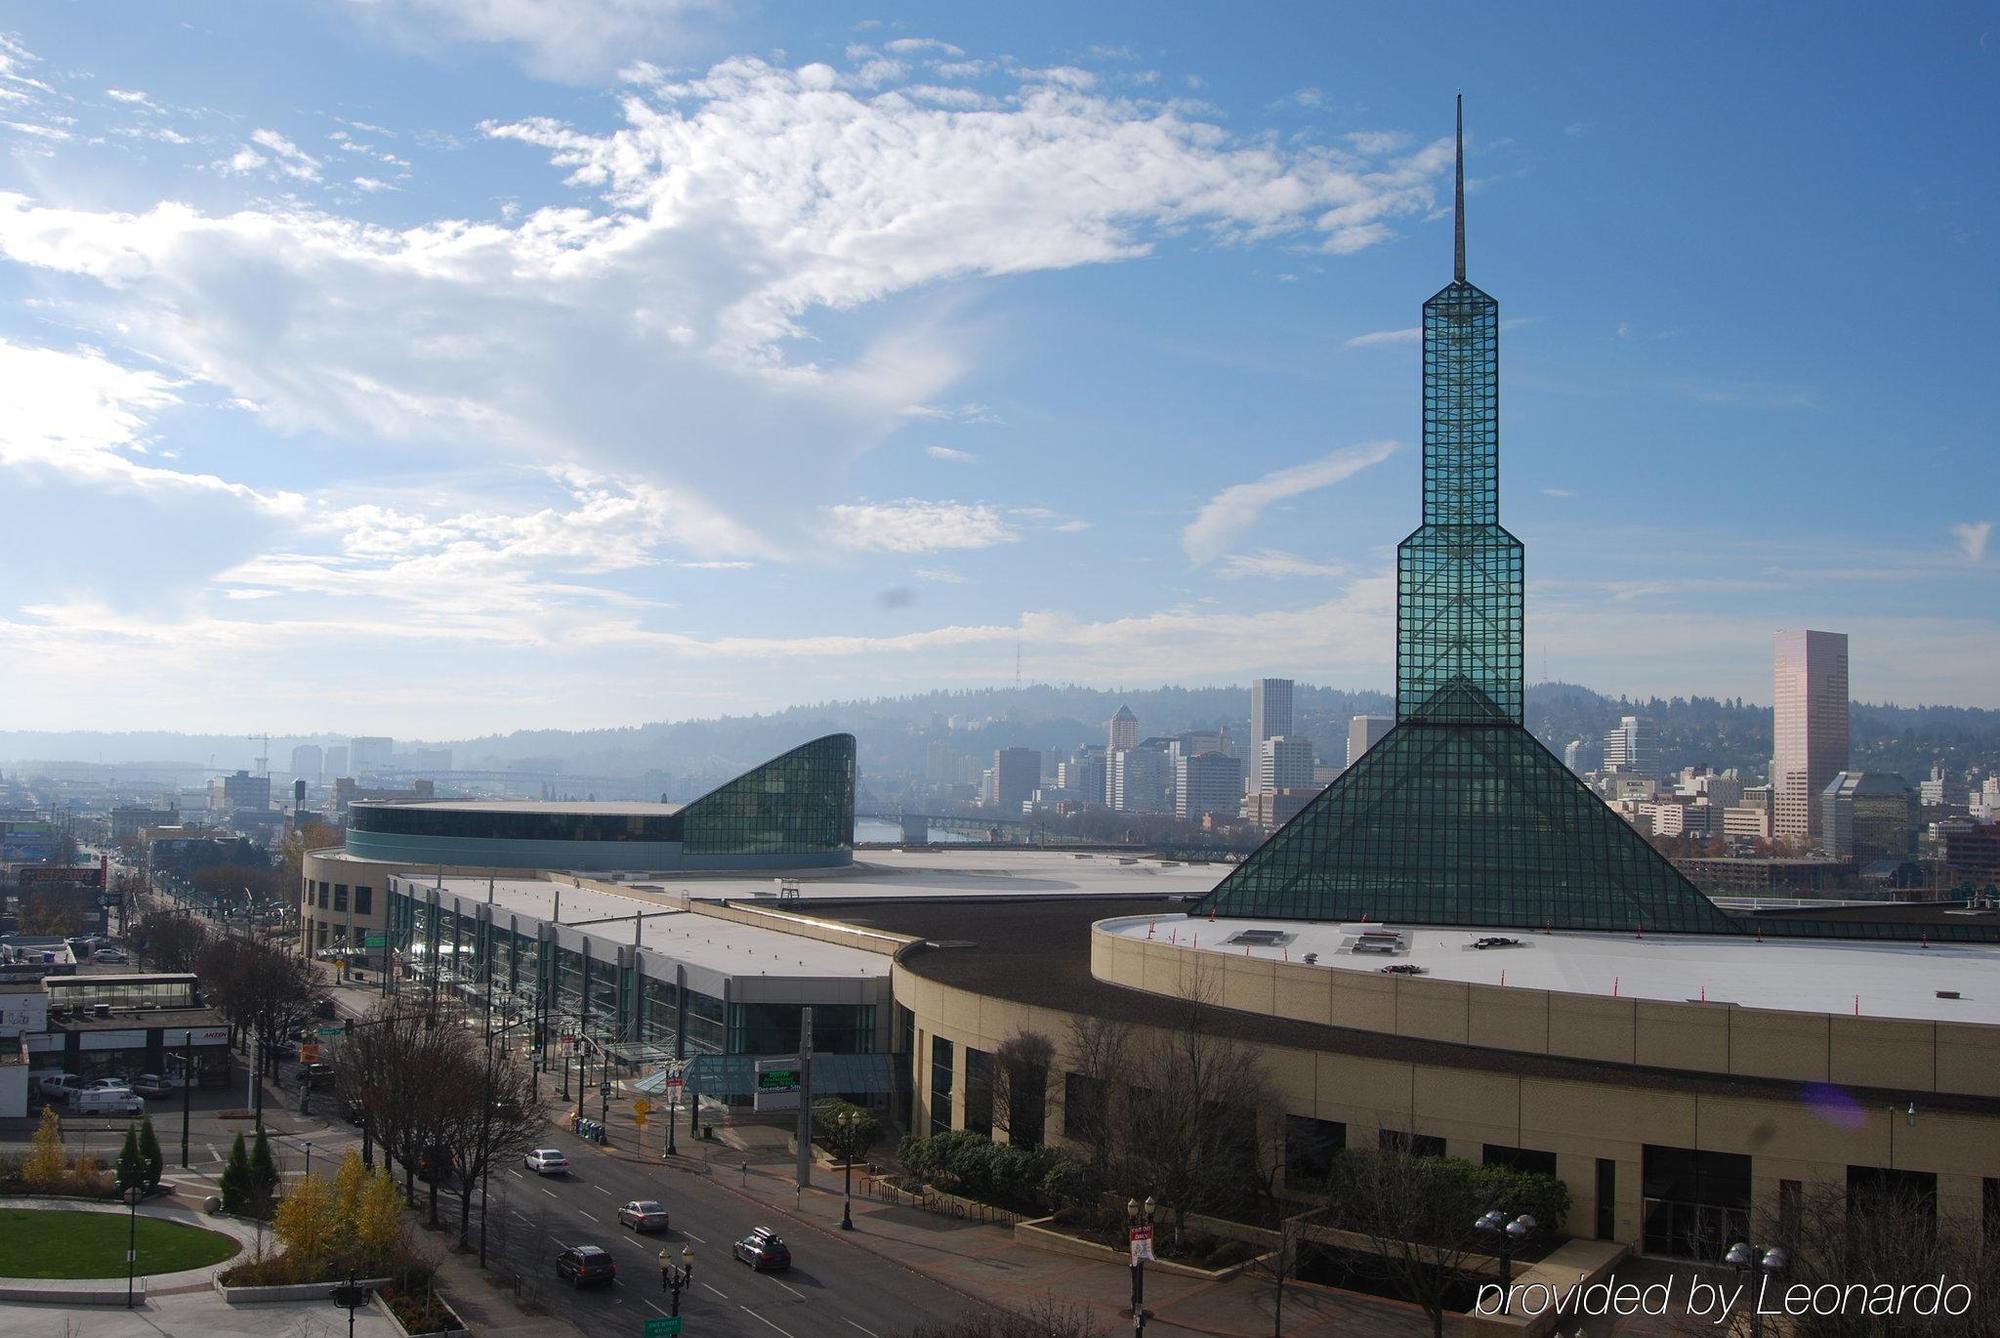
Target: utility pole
[[805, 1096]]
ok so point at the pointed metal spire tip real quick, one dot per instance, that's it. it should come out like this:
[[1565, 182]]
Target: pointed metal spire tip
[[1458, 209]]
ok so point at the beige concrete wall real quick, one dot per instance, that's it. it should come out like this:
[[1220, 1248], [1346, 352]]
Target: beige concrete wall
[[1891, 1053], [1579, 1121]]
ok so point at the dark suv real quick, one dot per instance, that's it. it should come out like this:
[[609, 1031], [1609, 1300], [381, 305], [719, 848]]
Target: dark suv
[[586, 1266], [763, 1251]]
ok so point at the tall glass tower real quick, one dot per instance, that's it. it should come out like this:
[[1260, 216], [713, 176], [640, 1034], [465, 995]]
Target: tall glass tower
[[1459, 816]]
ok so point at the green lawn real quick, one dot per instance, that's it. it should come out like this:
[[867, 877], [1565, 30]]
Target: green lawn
[[55, 1243]]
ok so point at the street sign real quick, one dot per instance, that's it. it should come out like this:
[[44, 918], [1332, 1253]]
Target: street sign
[[674, 1086], [641, 1110], [375, 941], [332, 1033], [665, 1326], [778, 1080], [1142, 1244]]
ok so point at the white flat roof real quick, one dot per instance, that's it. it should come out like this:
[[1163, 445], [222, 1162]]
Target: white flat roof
[[722, 946], [957, 873], [1792, 975]]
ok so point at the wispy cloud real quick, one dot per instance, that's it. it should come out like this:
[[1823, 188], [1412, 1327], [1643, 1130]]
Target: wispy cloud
[[1559, 492], [1972, 536], [1409, 335], [912, 526], [951, 453], [1274, 564], [1235, 509]]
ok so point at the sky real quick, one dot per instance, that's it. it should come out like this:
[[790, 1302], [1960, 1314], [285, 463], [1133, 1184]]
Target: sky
[[433, 367]]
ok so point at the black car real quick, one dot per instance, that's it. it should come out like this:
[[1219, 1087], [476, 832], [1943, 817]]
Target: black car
[[586, 1266], [763, 1251]]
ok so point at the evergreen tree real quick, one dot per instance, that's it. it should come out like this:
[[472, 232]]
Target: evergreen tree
[[44, 1165], [235, 1183], [131, 1163], [149, 1150], [263, 1176]]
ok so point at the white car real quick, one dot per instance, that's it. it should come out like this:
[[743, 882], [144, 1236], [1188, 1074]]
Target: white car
[[105, 1085], [547, 1161], [55, 1086], [157, 1084], [109, 956], [108, 1101]]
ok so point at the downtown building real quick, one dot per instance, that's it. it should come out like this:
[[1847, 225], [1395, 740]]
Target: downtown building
[[1809, 729]]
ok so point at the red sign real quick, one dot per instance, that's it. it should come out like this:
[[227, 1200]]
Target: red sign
[[1142, 1244], [33, 875]]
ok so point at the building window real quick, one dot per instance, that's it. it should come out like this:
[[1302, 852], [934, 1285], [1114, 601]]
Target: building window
[[320, 938], [1875, 1192], [941, 1074], [324, 891], [979, 1092], [1416, 1145], [1520, 1159], [1791, 1210], [364, 900], [1311, 1148], [340, 896]]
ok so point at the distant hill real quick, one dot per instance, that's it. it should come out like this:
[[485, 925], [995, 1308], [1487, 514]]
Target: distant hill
[[895, 732]]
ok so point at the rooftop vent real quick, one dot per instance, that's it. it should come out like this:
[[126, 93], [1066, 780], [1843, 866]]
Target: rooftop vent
[[1949, 994], [1261, 938]]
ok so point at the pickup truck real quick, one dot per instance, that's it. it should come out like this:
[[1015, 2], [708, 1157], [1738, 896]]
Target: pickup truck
[[56, 1086]]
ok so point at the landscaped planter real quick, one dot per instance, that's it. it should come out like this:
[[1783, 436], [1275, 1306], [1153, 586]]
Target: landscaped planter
[[382, 1306], [1041, 1234], [291, 1291]]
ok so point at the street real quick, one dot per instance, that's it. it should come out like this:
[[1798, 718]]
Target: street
[[832, 1287]]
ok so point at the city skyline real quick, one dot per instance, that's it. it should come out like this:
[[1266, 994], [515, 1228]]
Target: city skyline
[[519, 423]]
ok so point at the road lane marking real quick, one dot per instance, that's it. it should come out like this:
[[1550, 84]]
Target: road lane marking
[[754, 1315], [516, 1174], [602, 1190], [717, 1290], [581, 1213], [551, 1193], [523, 1216], [656, 1308], [793, 1290], [865, 1329], [696, 1239]]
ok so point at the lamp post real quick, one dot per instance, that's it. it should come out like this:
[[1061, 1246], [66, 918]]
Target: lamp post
[[131, 1243], [1744, 1257], [847, 1170], [1508, 1236], [350, 1298], [187, 1093], [674, 1280], [673, 1110], [1140, 1218]]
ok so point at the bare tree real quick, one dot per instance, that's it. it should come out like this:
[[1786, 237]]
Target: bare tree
[[1099, 1051], [1021, 1086], [1282, 1264], [1885, 1237], [479, 1134], [169, 940], [261, 988], [1418, 1221]]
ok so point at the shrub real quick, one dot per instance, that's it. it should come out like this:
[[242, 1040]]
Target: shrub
[[235, 1180], [1473, 1188], [87, 1179], [959, 1161], [263, 1182], [149, 1151]]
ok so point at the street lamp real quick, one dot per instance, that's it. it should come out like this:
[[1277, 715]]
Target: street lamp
[[187, 1093], [1509, 1236], [1744, 1257], [1140, 1218], [847, 1179], [132, 1193], [676, 1280], [350, 1298]]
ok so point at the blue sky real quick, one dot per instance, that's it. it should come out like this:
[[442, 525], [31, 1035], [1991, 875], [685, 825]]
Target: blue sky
[[427, 367]]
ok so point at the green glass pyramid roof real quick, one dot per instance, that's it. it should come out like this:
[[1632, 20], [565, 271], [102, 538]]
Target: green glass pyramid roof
[[1459, 816]]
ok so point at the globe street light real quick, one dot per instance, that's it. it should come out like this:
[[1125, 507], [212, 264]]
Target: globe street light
[[1744, 1257], [1508, 1237], [132, 1193], [1140, 1217]]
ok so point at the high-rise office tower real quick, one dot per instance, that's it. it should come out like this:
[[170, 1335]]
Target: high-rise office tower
[[1284, 764], [1207, 783], [1122, 730], [335, 765], [1016, 773], [1633, 747], [370, 755], [1809, 728], [1364, 732], [1141, 780], [1270, 708], [307, 760]]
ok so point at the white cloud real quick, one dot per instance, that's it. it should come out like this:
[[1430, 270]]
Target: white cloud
[[1559, 492], [1410, 335], [1972, 537], [912, 526], [950, 453], [1274, 564], [81, 417], [939, 575], [371, 184], [736, 211], [288, 157], [130, 97], [560, 39], [1235, 509], [245, 159], [916, 46]]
